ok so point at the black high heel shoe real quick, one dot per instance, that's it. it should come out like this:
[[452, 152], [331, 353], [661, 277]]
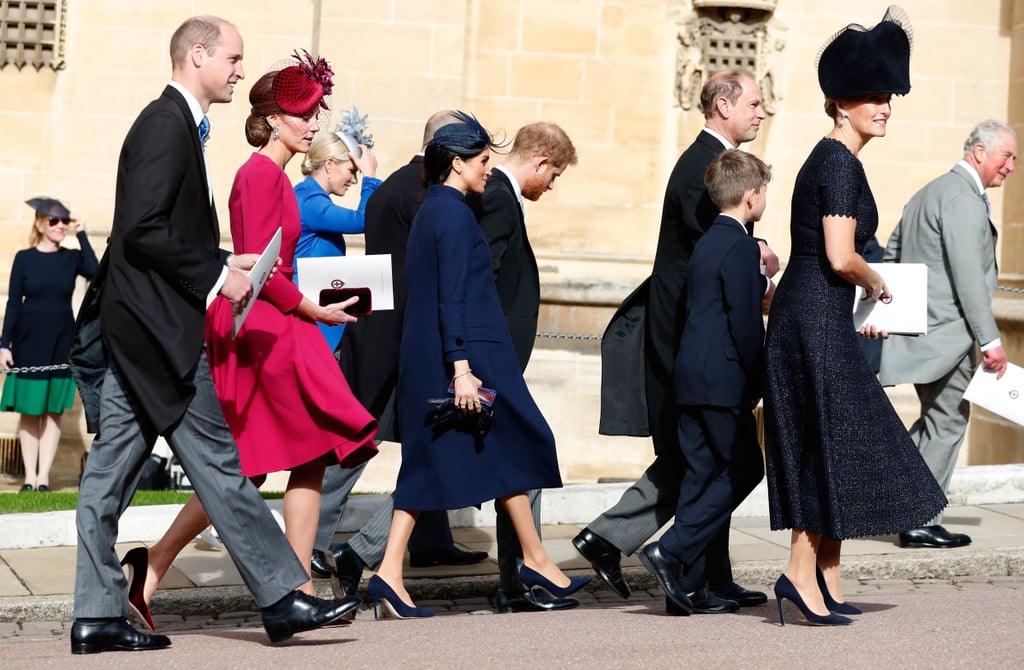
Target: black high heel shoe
[[833, 605], [381, 592], [784, 590], [137, 560], [530, 578]]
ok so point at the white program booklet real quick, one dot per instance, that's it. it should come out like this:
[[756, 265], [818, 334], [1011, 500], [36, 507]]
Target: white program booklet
[[259, 274], [372, 271], [1004, 397], [906, 313]]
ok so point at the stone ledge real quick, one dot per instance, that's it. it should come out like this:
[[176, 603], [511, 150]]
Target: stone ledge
[[574, 504]]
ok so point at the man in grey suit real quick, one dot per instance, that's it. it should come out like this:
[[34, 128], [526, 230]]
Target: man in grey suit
[[161, 265], [946, 225]]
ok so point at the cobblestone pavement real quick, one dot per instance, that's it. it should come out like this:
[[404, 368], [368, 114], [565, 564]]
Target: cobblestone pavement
[[855, 591]]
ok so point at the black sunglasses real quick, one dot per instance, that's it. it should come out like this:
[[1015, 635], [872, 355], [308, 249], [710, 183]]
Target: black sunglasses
[[54, 220]]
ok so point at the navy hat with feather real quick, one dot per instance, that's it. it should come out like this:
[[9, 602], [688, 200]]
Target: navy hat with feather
[[861, 61], [464, 138]]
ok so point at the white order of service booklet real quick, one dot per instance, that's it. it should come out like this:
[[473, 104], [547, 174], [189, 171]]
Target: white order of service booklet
[[1004, 397], [372, 271], [259, 274], [906, 312]]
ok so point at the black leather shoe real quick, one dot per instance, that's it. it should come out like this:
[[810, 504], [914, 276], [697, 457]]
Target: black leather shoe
[[346, 569], [934, 537], [604, 557], [450, 556], [532, 600], [298, 612], [92, 637], [318, 565], [743, 597], [704, 602], [666, 570]]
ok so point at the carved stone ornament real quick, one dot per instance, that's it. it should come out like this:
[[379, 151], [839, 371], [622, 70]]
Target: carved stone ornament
[[723, 35]]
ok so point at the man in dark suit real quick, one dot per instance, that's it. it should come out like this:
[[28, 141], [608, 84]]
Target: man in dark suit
[[733, 112], [162, 265], [540, 153], [717, 383], [368, 355]]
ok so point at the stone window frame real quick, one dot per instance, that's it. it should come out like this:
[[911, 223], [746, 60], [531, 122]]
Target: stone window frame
[[32, 32]]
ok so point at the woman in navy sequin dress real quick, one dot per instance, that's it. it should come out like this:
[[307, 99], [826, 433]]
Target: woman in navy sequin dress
[[840, 462]]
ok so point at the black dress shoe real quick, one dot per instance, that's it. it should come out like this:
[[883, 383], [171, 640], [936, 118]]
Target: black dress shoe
[[532, 600], [346, 569], [667, 571], [704, 602], [604, 557], [934, 537], [743, 597], [318, 565], [92, 637], [450, 556], [298, 612]]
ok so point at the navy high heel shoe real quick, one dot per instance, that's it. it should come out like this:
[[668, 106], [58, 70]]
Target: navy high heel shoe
[[137, 560], [784, 590], [531, 578], [834, 606], [381, 592]]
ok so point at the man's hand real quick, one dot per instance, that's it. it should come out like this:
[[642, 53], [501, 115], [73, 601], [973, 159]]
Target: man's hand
[[766, 301], [768, 259], [995, 361], [246, 261], [238, 289]]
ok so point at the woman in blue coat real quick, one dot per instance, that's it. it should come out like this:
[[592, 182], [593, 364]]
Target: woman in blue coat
[[455, 335], [330, 168]]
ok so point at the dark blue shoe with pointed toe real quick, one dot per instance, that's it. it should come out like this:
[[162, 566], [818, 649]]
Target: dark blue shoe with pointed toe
[[381, 592], [531, 578]]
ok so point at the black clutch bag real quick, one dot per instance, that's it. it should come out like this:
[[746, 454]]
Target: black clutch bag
[[446, 416]]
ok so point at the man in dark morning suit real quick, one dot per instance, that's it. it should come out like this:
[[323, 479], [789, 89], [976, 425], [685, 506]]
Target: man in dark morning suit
[[947, 226], [717, 381], [640, 345], [540, 153], [368, 355], [163, 262]]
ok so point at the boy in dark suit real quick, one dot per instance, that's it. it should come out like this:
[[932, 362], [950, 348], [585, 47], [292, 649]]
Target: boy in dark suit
[[717, 383]]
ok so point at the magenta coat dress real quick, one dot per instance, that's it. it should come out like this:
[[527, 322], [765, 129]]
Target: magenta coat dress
[[280, 388]]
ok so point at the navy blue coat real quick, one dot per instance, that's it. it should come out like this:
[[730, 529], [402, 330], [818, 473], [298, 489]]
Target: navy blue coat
[[719, 360], [453, 313]]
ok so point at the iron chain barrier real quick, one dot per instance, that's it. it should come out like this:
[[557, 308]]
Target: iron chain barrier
[[553, 336]]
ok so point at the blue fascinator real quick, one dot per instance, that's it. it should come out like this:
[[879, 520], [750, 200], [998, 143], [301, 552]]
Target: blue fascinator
[[465, 138], [352, 131]]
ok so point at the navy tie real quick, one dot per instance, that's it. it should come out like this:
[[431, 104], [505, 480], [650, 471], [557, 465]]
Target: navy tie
[[204, 130], [988, 205]]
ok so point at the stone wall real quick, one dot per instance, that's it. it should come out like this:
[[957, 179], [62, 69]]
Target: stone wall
[[603, 69]]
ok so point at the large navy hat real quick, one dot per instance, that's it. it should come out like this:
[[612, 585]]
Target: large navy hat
[[860, 61], [49, 207]]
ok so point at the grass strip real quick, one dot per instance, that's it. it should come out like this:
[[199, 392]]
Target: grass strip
[[56, 501]]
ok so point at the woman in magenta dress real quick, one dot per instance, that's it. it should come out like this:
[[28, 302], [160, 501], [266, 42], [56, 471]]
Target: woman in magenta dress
[[281, 391]]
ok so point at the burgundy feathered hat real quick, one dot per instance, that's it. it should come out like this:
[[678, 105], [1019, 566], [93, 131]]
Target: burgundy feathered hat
[[299, 89]]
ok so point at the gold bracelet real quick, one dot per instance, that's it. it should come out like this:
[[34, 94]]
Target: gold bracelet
[[461, 374]]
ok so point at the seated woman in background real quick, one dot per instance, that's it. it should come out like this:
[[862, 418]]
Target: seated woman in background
[[330, 168], [38, 326]]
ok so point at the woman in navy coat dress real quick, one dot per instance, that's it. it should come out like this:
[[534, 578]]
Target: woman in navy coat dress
[[453, 321]]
